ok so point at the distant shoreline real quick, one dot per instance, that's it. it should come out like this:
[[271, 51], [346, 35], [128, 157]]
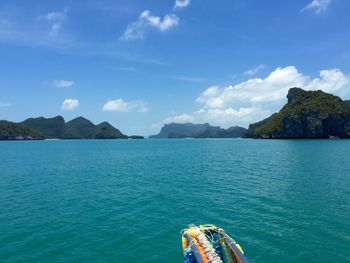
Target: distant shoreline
[[187, 138]]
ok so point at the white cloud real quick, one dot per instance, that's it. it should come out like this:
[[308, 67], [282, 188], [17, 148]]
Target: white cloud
[[133, 31], [225, 117], [256, 98], [70, 104], [318, 6], [272, 88], [255, 70], [125, 106], [181, 3], [63, 83], [183, 118], [136, 29], [166, 23], [331, 81], [30, 33], [56, 20]]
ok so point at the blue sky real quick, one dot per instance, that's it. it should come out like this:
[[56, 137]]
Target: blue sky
[[140, 64]]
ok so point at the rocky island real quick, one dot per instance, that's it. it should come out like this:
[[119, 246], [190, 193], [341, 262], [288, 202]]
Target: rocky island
[[190, 130], [307, 115], [56, 128]]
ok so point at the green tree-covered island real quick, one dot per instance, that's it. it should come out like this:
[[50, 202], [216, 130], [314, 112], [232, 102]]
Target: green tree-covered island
[[56, 128], [307, 115]]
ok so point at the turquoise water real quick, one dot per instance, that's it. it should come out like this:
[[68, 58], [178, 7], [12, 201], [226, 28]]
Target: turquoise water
[[126, 201]]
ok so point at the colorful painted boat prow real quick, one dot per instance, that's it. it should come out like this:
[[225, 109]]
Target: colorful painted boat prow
[[210, 244]]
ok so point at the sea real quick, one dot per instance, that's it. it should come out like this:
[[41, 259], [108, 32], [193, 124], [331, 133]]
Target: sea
[[128, 200]]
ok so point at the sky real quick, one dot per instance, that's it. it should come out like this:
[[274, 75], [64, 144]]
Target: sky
[[141, 64]]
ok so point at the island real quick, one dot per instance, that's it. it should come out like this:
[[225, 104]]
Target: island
[[190, 130], [307, 115], [57, 128]]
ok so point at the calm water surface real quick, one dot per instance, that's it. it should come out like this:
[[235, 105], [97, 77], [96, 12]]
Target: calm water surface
[[126, 201]]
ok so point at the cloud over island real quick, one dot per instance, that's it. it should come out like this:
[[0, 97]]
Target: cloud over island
[[257, 98], [70, 104]]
